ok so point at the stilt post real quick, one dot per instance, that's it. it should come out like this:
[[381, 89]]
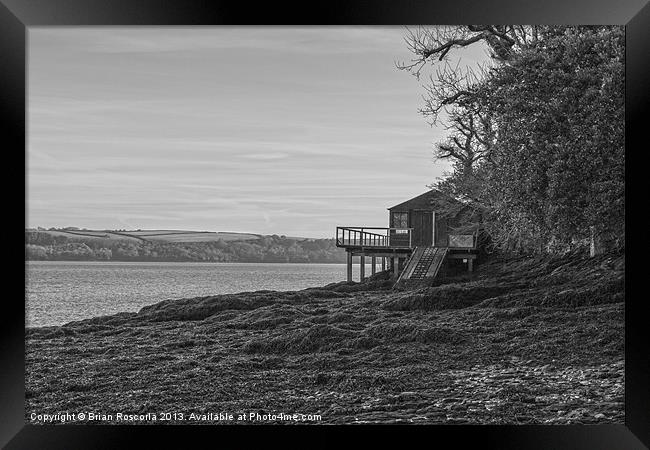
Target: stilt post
[[349, 267]]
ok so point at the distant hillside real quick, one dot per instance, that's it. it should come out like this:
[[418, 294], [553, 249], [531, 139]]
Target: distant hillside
[[175, 245], [149, 235]]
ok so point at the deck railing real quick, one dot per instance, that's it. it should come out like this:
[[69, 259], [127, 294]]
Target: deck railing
[[373, 237]]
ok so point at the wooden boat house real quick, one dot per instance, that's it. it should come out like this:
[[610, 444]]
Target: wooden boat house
[[418, 240]]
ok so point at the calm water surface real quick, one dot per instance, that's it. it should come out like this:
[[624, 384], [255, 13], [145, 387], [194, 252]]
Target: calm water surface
[[60, 292]]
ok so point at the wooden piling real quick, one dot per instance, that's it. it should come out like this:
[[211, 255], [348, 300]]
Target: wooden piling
[[373, 261], [349, 266], [362, 268]]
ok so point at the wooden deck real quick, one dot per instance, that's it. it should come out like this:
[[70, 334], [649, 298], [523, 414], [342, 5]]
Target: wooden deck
[[376, 239], [395, 248]]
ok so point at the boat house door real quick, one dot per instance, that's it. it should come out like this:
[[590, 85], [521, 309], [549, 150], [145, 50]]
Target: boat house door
[[422, 224]]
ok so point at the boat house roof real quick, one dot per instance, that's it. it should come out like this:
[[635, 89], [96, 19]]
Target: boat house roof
[[422, 201]]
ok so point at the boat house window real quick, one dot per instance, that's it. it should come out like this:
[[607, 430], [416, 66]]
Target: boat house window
[[400, 220]]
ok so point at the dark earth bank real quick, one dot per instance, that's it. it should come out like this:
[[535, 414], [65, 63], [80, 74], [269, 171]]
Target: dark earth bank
[[522, 340]]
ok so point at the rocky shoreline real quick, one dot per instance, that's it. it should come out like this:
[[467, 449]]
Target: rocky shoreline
[[521, 341]]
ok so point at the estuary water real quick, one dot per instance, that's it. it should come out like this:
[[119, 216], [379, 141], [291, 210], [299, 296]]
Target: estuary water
[[59, 292]]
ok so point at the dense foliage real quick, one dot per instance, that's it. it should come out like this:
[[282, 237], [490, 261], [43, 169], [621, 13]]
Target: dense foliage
[[43, 246], [537, 139]]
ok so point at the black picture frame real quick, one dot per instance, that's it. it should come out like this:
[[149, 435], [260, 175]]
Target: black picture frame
[[17, 15]]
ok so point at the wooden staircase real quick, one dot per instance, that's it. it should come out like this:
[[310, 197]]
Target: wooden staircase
[[425, 262]]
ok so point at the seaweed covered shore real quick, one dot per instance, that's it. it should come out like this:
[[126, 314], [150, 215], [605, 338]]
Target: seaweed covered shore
[[522, 340]]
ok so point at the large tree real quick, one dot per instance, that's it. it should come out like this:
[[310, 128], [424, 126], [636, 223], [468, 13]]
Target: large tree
[[537, 138]]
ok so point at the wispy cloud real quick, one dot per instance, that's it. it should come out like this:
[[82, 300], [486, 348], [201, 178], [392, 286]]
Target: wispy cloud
[[151, 40], [288, 130]]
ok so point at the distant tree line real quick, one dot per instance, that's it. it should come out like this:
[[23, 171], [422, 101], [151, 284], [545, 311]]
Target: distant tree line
[[40, 246], [536, 136]]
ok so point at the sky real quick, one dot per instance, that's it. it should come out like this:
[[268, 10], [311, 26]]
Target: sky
[[271, 130]]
